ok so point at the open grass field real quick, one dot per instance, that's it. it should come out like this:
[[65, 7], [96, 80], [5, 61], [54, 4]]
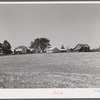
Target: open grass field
[[57, 70]]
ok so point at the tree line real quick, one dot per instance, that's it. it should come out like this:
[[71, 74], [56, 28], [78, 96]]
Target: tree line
[[39, 44]]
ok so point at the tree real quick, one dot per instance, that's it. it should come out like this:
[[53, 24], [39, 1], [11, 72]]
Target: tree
[[62, 47], [6, 47], [40, 44], [0, 45], [1, 51]]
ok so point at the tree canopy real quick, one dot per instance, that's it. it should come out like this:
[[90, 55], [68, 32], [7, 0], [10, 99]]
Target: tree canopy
[[6, 47], [40, 44], [62, 47]]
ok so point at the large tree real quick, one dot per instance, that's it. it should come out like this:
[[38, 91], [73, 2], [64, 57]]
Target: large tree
[[40, 44], [6, 47], [0, 45]]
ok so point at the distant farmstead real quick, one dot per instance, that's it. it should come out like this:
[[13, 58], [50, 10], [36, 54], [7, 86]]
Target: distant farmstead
[[82, 48], [53, 50], [20, 50]]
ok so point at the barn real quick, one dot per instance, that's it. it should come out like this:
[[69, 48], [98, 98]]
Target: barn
[[82, 48]]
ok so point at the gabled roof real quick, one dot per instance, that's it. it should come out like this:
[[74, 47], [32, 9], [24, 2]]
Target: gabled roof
[[83, 45], [62, 49], [20, 47], [52, 48], [78, 46]]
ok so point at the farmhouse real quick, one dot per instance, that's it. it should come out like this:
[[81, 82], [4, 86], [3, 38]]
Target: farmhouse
[[53, 50], [82, 48], [20, 50]]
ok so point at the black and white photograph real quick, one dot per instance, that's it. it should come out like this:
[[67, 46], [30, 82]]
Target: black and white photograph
[[49, 46]]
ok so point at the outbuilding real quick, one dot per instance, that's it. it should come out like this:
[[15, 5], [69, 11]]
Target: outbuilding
[[53, 50], [63, 50]]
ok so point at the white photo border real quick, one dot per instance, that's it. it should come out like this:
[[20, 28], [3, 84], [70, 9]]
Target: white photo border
[[50, 92]]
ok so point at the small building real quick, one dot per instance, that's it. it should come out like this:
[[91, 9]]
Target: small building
[[20, 50], [82, 48], [99, 49], [63, 50], [68, 50], [53, 50], [31, 50]]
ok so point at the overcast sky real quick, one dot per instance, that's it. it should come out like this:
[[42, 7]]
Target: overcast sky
[[68, 24]]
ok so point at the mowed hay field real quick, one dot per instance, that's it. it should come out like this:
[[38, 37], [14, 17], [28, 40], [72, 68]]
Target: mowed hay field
[[56, 70]]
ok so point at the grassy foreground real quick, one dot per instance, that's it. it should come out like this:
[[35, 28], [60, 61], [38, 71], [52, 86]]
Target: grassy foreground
[[61, 70]]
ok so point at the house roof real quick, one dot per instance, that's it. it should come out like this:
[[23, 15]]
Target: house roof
[[78, 46], [52, 48], [20, 47], [83, 45], [62, 49]]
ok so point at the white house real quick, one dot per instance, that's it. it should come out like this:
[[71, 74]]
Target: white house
[[20, 50], [53, 50]]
